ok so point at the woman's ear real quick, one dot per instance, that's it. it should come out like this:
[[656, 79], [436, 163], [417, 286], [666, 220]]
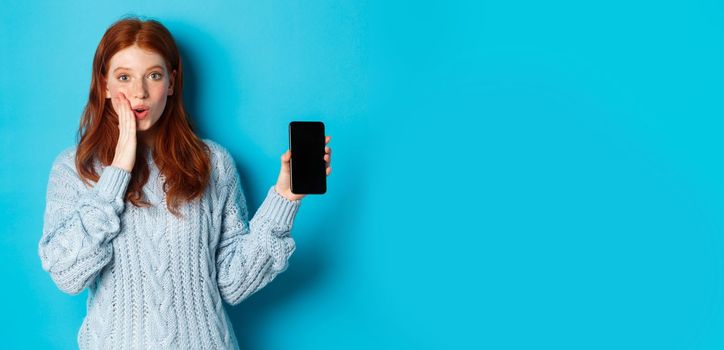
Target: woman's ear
[[105, 86], [171, 82]]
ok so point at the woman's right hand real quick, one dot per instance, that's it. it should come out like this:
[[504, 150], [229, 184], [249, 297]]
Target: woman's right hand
[[125, 156]]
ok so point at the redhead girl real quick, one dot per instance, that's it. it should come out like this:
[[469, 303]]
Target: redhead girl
[[151, 218]]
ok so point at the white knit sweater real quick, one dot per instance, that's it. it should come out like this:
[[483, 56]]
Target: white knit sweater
[[156, 281]]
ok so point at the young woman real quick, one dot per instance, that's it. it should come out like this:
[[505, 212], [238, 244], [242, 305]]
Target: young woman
[[151, 218]]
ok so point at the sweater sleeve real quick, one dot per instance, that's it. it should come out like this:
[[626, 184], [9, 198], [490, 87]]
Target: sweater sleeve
[[252, 253], [79, 224]]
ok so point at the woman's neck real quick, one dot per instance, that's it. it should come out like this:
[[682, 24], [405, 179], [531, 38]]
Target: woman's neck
[[147, 137]]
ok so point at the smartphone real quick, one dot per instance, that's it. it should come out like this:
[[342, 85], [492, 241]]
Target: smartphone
[[308, 168]]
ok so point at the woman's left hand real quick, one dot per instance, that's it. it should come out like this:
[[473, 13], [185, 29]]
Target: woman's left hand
[[283, 185]]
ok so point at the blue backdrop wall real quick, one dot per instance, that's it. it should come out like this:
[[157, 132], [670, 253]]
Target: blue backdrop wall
[[506, 174]]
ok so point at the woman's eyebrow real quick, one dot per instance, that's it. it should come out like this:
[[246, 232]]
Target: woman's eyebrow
[[154, 67]]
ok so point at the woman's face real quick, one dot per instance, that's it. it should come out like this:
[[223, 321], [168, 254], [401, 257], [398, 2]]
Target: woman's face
[[141, 76]]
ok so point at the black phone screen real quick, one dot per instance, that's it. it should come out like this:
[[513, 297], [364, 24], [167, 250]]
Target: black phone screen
[[308, 172]]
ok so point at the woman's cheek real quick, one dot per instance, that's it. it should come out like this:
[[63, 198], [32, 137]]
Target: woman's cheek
[[114, 90]]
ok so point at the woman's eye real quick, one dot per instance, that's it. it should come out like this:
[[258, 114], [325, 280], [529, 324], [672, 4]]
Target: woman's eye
[[120, 77], [156, 74]]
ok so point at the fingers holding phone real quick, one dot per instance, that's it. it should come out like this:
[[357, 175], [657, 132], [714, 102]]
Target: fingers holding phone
[[328, 155]]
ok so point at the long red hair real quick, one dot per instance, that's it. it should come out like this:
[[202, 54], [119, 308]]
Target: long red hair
[[181, 156]]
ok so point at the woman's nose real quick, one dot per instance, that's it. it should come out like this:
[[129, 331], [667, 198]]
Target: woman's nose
[[139, 90]]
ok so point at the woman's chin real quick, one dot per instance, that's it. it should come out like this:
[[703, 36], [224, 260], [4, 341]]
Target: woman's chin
[[141, 127], [144, 127]]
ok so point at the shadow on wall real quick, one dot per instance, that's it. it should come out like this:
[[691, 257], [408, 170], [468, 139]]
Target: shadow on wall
[[310, 266]]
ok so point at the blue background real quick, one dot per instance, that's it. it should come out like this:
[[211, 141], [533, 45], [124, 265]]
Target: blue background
[[506, 175]]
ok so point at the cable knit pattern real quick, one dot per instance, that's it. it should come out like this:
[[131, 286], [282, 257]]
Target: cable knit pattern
[[156, 281]]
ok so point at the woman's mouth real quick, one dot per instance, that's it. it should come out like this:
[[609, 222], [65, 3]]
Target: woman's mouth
[[140, 113]]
